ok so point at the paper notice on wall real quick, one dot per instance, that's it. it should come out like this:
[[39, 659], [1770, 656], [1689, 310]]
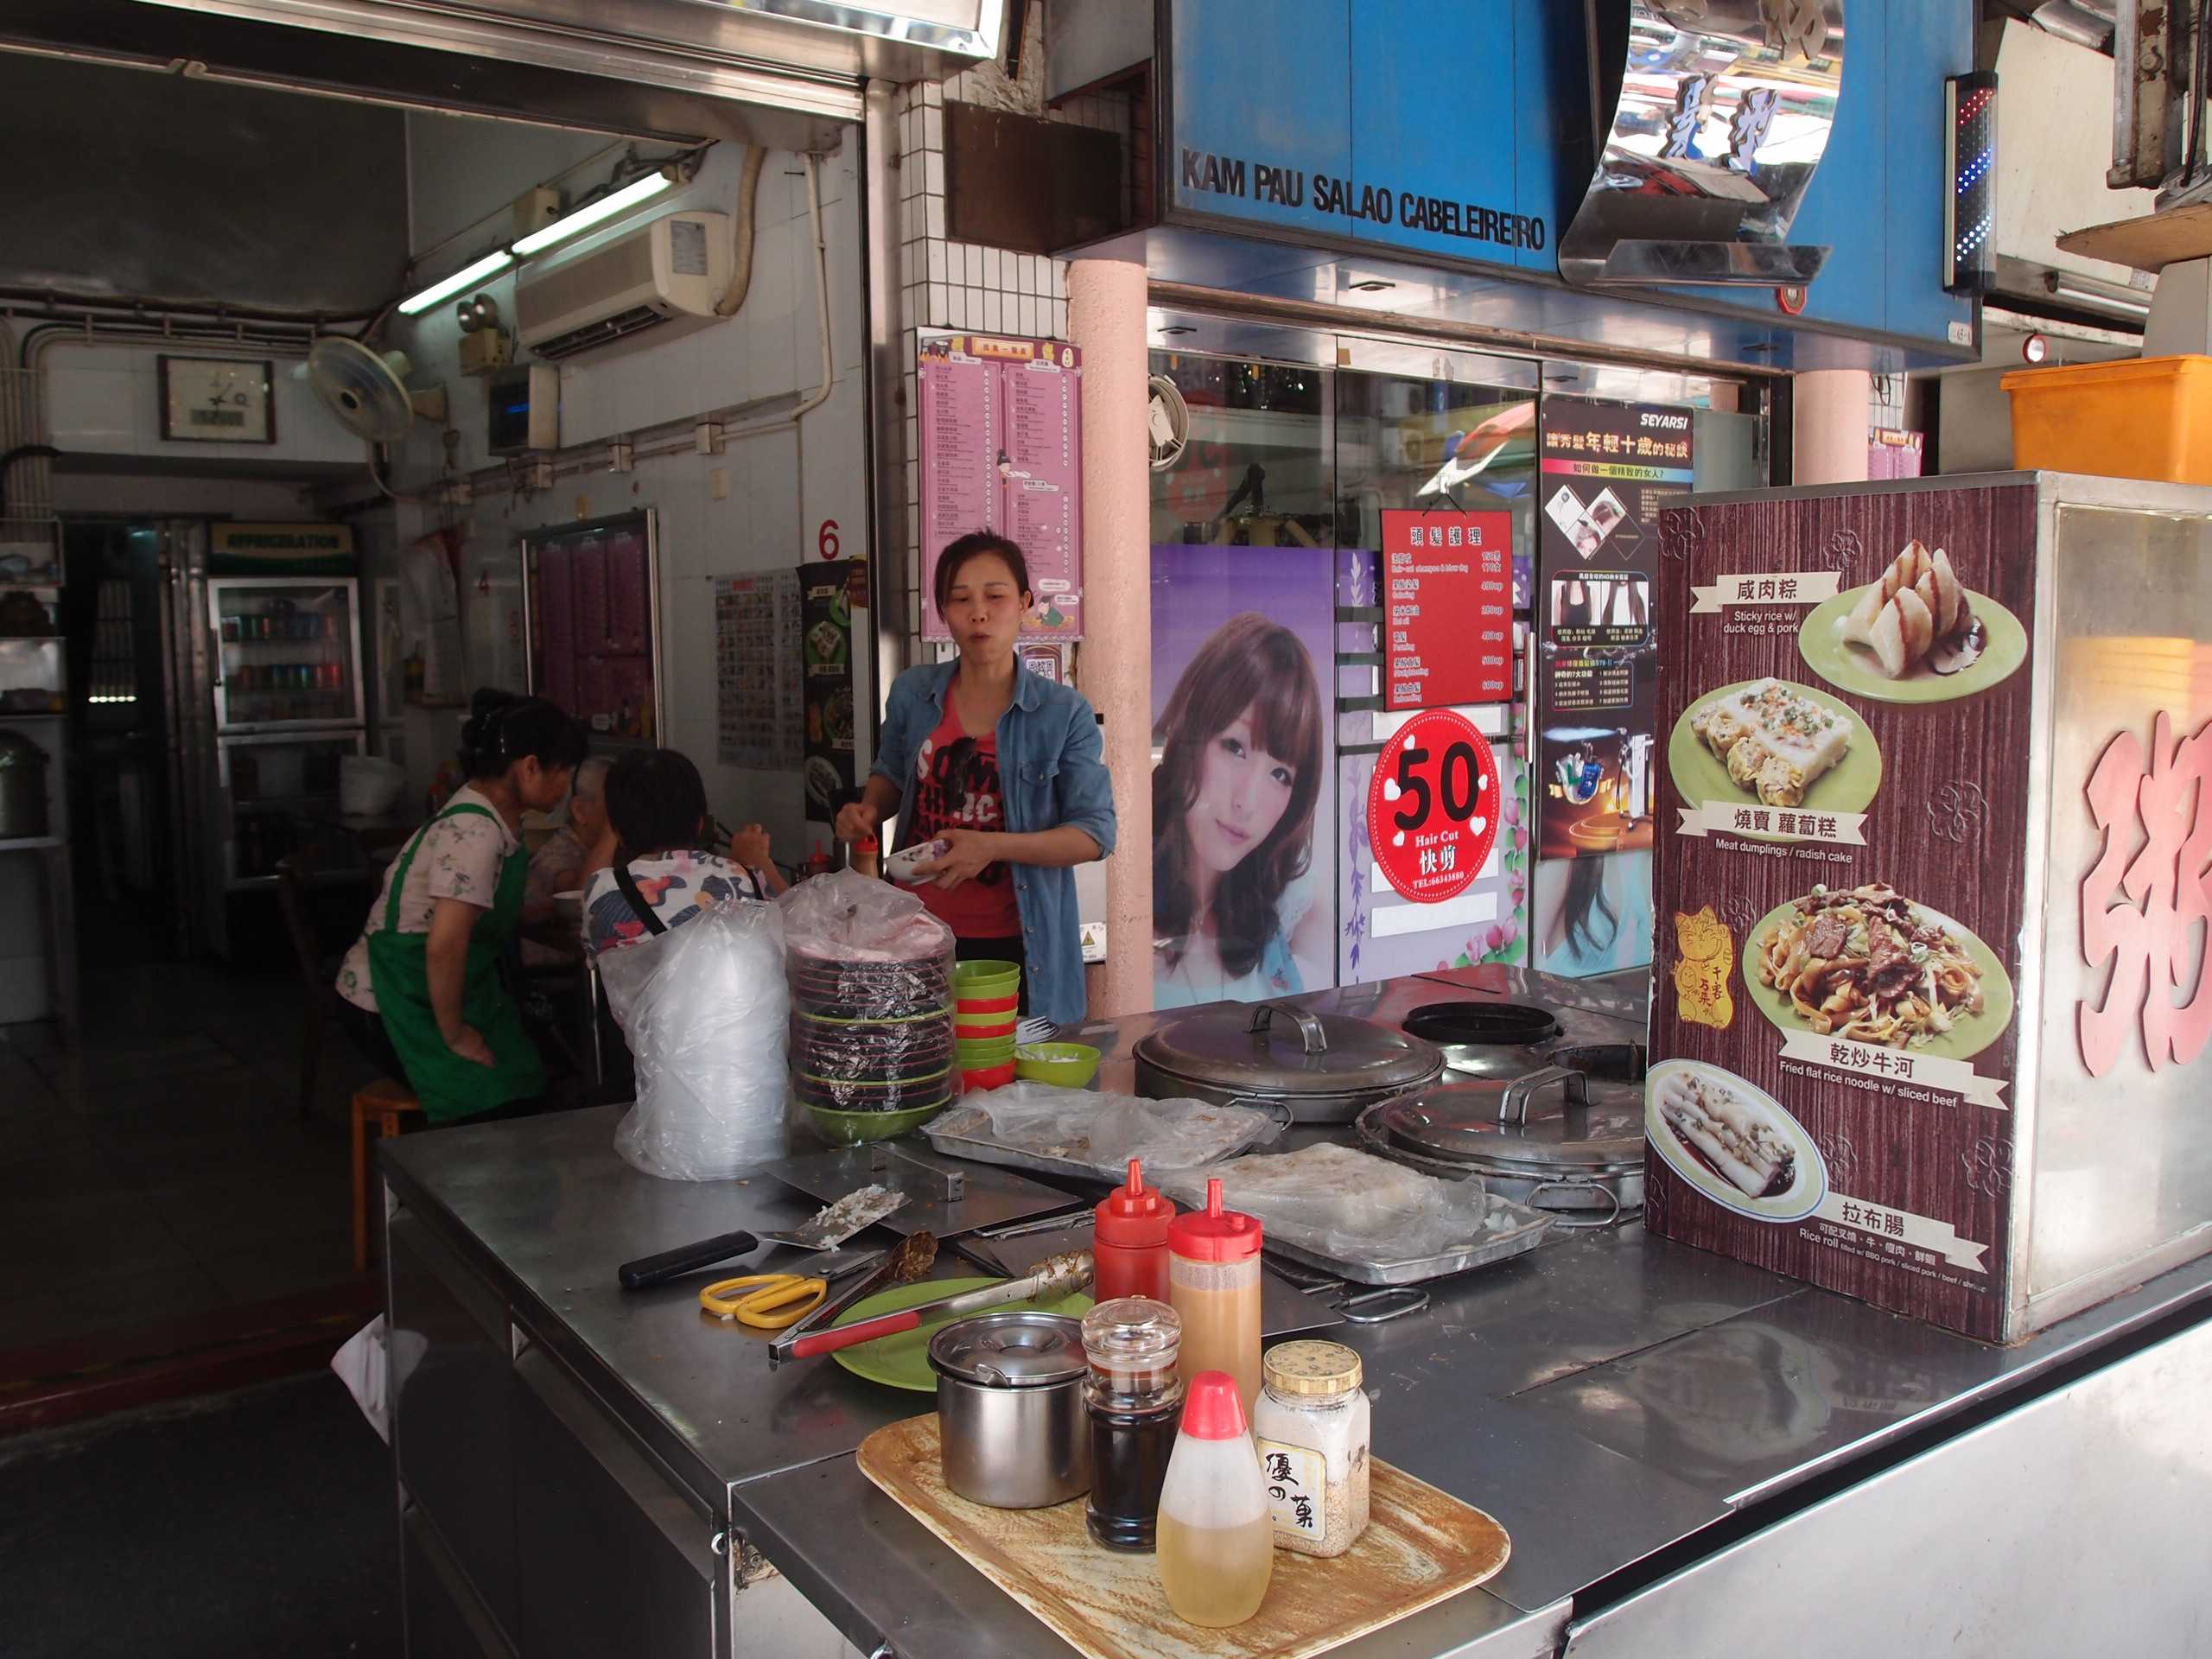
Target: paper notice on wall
[[759, 710]]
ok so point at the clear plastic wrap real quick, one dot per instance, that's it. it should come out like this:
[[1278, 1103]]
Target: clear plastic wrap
[[1102, 1132], [870, 973], [1350, 1205], [704, 1007]]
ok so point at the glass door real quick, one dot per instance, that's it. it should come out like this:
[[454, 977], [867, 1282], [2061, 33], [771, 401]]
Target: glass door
[[288, 650], [279, 796]]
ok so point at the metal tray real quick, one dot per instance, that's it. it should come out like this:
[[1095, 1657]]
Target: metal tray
[[1041, 1163], [1527, 1232]]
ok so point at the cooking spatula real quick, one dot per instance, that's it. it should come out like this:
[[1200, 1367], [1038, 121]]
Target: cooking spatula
[[826, 1231]]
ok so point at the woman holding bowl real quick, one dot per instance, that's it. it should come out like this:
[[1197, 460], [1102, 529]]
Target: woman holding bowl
[[1007, 770]]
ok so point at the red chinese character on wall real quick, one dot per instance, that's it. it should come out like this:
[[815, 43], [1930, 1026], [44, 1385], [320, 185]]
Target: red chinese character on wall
[[2144, 905]]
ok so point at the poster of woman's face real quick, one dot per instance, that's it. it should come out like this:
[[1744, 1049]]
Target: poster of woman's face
[[1244, 803]]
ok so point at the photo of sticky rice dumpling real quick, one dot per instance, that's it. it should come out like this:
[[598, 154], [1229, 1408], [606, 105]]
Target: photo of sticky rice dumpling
[[1917, 615], [1731, 1136], [1774, 739]]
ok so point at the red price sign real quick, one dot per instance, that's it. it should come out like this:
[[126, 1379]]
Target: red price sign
[[1432, 810]]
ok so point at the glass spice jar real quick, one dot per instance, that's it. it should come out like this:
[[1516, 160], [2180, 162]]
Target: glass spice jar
[[1132, 1400], [1312, 1427]]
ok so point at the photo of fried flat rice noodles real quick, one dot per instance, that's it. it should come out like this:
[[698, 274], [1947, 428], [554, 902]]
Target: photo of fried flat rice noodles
[[1869, 966]]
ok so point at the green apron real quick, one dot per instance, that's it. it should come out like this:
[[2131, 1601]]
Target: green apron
[[448, 1086]]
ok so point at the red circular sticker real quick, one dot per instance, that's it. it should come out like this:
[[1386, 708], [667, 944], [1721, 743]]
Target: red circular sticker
[[1432, 810]]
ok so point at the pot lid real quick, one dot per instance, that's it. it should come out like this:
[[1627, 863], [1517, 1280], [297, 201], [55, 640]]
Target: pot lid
[[1559, 1120], [1014, 1349], [1273, 1048], [1476, 1022]]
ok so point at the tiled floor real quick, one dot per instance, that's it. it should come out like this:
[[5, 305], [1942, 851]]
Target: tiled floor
[[161, 1165]]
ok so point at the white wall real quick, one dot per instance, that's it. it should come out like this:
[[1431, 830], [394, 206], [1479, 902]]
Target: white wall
[[760, 507], [459, 167], [106, 400]]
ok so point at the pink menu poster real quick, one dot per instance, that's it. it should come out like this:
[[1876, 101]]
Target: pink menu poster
[[1001, 448], [593, 633], [629, 592], [557, 602]]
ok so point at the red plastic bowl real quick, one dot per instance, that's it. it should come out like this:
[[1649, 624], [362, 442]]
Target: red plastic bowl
[[972, 1031], [997, 1077], [990, 1004]]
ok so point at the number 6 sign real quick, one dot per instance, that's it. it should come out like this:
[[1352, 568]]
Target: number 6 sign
[[1432, 810]]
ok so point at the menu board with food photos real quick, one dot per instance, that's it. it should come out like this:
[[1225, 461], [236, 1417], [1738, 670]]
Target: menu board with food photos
[[1845, 699], [826, 596]]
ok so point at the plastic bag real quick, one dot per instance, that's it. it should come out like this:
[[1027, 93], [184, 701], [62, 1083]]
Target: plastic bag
[[870, 972], [1350, 1205], [1105, 1131], [705, 1015]]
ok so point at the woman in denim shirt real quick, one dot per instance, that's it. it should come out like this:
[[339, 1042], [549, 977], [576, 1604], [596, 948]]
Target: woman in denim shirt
[[1007, 769]]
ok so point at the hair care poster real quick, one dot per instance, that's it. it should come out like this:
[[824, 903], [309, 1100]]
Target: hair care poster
[[1244, 777]]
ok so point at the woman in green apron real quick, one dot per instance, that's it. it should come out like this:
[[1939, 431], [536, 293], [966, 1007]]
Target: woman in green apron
[[426, 968]]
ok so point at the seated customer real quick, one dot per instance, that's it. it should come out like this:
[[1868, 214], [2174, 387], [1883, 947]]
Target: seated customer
[[562, 862], [649, 874]]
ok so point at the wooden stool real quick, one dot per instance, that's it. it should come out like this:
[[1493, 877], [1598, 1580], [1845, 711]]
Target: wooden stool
[[382, 1102]]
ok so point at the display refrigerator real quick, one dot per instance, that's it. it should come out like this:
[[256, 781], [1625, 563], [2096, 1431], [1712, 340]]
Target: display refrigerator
[[270, 701]]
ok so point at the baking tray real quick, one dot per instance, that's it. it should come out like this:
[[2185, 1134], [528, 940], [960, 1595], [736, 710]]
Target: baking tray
[[989, 1197], [1528, 1231], [1044, 1163]]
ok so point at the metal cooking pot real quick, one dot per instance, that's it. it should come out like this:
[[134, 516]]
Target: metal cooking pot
[[1567, 1137], [23, 787], [1009, 1408], [1322, 1068]]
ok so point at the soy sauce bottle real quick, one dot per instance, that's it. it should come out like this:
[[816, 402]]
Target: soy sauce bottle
[[1132, 1400]]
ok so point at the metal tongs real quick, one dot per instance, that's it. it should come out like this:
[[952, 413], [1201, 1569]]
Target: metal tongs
[[909, 1261]]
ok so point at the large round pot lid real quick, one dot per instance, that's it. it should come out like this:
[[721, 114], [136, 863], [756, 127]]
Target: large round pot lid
[[1273, 1048], [1555, 1120], [1019, 1348]]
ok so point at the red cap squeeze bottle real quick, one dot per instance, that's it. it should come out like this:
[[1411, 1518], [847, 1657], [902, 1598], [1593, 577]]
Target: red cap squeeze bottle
[[1129, 1243], [1213, 1281]]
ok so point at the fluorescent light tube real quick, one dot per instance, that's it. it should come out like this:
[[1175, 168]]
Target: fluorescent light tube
[[2095, 296], [597, 213], [468, 276]]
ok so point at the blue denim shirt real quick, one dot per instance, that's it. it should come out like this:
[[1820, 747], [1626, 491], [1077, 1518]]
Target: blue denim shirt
[[1051, 771]]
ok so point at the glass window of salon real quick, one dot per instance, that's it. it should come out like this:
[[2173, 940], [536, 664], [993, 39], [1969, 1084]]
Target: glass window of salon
[[1007, 769]]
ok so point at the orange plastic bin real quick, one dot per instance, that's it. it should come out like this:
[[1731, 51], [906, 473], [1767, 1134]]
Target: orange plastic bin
[[2142, 417]]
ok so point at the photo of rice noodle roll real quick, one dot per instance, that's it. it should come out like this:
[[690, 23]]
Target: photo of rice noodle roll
[[1731, 1136], [1869, 966], [1918, 614], [1774, 739]]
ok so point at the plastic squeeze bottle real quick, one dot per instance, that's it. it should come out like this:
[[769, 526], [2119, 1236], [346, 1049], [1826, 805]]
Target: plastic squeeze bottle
[[1129, 1243], [1213, 1282], [1217, 1542]]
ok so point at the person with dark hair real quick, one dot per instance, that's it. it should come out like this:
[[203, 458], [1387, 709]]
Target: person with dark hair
[[650, 872], [425, 972], [1004, 767], [1232, 816]]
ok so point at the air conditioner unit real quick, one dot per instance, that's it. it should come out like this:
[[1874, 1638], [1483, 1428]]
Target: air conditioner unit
[[664, 274]]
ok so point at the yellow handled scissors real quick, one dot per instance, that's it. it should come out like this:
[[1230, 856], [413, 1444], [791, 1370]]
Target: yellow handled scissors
[[771, 1300]]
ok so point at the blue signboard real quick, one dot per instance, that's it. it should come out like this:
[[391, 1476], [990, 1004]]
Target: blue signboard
[[1464, 134]]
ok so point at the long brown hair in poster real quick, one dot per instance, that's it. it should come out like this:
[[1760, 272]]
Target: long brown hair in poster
[[1247, 663]]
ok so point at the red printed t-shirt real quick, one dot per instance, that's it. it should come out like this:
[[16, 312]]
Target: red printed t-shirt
[[957, 787]]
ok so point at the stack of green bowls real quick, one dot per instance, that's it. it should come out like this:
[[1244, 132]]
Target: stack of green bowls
[[987, 1010]]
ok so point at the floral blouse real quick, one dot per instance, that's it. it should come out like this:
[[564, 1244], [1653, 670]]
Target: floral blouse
[[677, 885], [458, 857]]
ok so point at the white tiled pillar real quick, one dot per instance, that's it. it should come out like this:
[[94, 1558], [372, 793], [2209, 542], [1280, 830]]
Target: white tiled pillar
[[1106, 320]]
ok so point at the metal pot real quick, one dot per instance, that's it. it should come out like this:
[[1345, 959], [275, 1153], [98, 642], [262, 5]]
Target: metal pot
[[1326, 1070], [23, 787], [1009, 1408], [1582, 1157]]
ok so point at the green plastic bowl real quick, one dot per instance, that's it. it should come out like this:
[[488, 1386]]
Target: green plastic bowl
[[986, 978], [855, 1128], [1071, 1065], [971, 1057]]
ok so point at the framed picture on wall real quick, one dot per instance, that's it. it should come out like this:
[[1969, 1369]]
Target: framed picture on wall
[[217, 400]]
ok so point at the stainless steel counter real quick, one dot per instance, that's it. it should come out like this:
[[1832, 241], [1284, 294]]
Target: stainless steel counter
[[1608, 1397]]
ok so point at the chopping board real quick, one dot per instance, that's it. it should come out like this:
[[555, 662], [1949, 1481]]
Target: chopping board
[[988, 1196], [1421, 1546]]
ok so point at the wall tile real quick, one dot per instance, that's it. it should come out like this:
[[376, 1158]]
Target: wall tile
[[936, 256], [933, 214]]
